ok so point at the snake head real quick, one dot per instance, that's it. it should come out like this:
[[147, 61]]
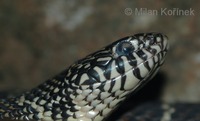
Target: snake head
[[138, 58], [103, 79]]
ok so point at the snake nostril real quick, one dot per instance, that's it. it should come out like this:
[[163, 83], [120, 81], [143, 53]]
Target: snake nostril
[[151, 40]]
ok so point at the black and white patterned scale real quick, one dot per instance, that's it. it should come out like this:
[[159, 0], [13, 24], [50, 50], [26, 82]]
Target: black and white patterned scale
[[91, 88]]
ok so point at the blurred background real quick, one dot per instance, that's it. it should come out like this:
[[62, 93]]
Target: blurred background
[[38, 39]]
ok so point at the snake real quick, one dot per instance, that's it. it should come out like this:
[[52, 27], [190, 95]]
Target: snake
[[93, 87]]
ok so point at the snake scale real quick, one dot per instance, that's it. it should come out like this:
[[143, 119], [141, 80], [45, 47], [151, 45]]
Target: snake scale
[[91, 88]]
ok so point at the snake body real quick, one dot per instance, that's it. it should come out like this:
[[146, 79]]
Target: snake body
[[91, 88], [159, 111]]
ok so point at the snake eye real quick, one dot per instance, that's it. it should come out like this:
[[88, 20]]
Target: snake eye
[[124, 48]]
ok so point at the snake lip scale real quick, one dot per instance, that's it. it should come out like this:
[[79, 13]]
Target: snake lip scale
[[91, 88]]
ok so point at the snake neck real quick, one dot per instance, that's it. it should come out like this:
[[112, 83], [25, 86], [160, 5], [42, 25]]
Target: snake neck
[[58, 99]]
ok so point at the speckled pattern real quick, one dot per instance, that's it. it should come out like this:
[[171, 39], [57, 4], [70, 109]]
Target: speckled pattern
[[40, 38], [91, 88]]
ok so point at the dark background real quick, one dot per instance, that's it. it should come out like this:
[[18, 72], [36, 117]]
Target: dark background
[[40, 38]]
